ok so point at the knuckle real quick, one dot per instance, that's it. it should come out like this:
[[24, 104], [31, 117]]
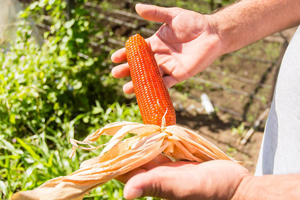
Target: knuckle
[[156, 190]]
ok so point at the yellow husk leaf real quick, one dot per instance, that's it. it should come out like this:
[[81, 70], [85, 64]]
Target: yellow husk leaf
[[121, 156]]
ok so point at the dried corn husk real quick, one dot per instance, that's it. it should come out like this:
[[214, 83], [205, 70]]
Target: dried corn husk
[[121, 156]]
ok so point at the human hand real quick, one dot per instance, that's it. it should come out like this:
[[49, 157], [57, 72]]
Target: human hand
[[184, 180], [185, 45]]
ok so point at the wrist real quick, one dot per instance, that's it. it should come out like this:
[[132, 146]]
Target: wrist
[[243, 188], [228, 32], [213, 22]]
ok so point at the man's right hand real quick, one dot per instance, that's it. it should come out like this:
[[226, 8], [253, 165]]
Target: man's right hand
[[186, 44]]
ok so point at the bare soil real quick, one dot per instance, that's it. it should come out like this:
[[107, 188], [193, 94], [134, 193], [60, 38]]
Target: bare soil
[[218, 129]]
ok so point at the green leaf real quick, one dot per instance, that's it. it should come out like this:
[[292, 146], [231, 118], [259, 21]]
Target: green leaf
[[48, 7], [77, 85], [7, 145], [60, 112], [29, 171], [51, 2], [57, 25], [14, 157], [50, 160], [42, 4], [97, 110], [69, 24], [28, 149], [65, 39], [70, 32], [12, 118], [3, 188], [89, 62], [86, 119], [79, 40], [33, 5]]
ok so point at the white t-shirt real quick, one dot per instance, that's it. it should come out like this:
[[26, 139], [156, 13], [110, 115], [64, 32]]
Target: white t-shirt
[[280, 149]]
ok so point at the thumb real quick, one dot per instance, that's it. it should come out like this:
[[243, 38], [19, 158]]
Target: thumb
[[150, 184], [156, 13]]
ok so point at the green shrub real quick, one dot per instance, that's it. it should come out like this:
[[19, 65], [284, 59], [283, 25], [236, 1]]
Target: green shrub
[[42, 88], [52, 93]]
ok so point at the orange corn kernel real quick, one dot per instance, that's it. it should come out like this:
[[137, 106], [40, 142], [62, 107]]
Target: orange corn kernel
[[151, 92]]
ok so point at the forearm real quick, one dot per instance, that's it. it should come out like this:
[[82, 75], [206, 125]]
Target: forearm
[[269, 187], [250, 20]]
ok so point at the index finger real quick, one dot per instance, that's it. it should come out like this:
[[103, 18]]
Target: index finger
[[119, 56], [156, 13]]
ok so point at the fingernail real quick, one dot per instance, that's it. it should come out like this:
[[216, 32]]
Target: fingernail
[[141, 4], [135, 193], [112, 55]]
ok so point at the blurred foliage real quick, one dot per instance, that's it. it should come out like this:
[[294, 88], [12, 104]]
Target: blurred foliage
[[44, 87], [52, 93]]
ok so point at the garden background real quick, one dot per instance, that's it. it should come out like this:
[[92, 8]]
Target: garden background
[[55, 84]]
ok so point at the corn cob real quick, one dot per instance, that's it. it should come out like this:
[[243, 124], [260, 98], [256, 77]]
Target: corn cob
[[151, 92]]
